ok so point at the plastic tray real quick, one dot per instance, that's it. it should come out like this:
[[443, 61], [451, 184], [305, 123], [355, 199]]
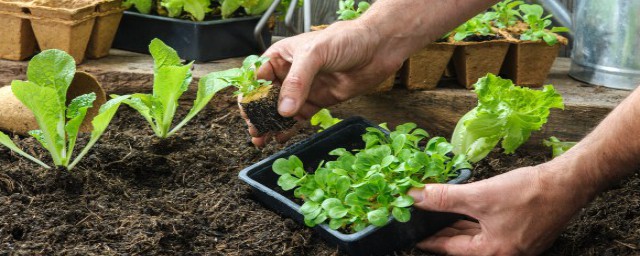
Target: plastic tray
[[370, 241], [199, 41]]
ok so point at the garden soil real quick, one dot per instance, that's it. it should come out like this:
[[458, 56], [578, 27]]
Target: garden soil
[[136, 195]]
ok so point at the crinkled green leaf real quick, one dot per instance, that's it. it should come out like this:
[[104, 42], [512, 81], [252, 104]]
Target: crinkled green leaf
[[53, 69], [163, 55]]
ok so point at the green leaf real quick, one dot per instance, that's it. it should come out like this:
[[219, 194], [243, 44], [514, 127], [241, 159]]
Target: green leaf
[[337, 212], [163, 55], [378, 217], [197, 8], [403, 201], [167, 89], [317, 195], [336, 223], [401, 214], [287, 182], [39, 136], [7, 142], [143, 6], [54, 69], [310, 210], [76, 112], [229, 7], [558, 147], [324, 119], [258, 8], [329, 203]]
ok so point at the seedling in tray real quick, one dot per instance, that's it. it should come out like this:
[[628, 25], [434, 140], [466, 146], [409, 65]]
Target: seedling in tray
[[49, 76], [532, 15]]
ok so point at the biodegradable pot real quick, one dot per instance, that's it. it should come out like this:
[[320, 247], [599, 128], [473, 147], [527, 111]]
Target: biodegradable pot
[[386, 85], [528, 63], [473, 60], [15, 117], [105, 28], [69, 36], [200, 41], [17, 41], [261, 108], [370, 241], [423, 70]]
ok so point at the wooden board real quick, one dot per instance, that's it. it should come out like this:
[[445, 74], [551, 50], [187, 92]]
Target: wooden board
[[437, 110]]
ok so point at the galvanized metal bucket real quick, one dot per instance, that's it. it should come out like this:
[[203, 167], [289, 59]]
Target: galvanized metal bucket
[[606, 41]]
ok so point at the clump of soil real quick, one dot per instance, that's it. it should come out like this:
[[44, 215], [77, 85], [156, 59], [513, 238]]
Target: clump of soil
[[135, 194]]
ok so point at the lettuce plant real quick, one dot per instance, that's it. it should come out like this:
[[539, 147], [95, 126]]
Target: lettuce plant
[[347, 11], [506, 13], [324, 119], [196, 8], [506, 113], [558, 147], [532, 15], [171, 79], [251, 7], [142, 6], [49, 76], [245, 77], [479, 25], [369, 185]]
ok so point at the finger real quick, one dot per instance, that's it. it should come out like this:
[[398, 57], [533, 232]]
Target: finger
[[308, 110], [465, 224], [258, 142], [267, 71], [442, 198], [455, 245], [296, 86]]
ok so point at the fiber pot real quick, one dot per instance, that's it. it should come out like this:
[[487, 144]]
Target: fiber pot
[[15, 117], [473, 60], [528, 63], [17, 41], [370, 241], [424, 69], [104, 31]]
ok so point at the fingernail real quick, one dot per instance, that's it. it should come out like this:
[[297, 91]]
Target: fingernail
[[287, 106], [416, 193]]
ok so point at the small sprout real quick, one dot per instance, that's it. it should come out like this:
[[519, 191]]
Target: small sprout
[[558, 147], [532, 15], [506, 14], [347, 11], [480, 25], [324, 119]]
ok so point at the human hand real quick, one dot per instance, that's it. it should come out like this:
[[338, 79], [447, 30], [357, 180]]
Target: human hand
[[323, 68], [519, 213]]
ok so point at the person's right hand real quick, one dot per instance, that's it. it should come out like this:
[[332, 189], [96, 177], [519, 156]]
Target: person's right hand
[[323, 68]]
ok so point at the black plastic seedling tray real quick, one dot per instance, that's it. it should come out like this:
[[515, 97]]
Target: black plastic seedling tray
[[370, 241], [199, 41]]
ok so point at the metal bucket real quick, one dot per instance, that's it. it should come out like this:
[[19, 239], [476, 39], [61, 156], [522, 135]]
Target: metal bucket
[[606, 45]]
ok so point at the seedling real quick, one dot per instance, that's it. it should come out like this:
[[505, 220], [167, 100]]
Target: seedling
[[171, 80], [506, 113], [558, 147], [532, 15], [506, 13], [253, 7], [479, 25], [49, 76], [369, 185], [347, 11], [324, 119], [196, 9], [142, 6], [259, 98]]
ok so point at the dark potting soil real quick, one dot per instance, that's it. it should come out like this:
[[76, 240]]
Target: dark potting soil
[[481, 38], [134, 194]]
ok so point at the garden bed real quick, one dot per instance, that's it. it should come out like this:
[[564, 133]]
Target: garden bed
[[134, 194]]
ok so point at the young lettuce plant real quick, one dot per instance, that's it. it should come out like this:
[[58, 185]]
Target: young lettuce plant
[[197, 9], [142, 6], [171, 79], [49, 76], [506, 14], [480, 25], [532, 15], [558, 147], [369, 185], [254, 7], [506, 113], [324, 119], [347, 11]]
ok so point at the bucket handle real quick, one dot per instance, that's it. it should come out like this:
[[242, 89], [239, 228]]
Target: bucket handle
[[257, 32]]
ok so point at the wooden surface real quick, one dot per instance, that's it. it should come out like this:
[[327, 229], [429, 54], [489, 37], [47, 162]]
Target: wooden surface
[[437, 110]]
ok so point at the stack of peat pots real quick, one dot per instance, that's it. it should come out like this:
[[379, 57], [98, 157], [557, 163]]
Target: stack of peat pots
[[78, 27]]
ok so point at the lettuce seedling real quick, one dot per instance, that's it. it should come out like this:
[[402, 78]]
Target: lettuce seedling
[[506, 14], [506, 113], [254, 7], [369, 185], [49, 76], [197, 9], [480, 25], [324, 119], [347, 11], [143, 6], [558, 147], [532, 15], [170, 80]]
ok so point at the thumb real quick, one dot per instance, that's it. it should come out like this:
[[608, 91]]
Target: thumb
[[296, 86], [440, 198]]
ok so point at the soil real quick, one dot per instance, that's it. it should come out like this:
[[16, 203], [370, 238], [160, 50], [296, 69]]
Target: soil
[[134, 194], [262, 110], [481, 38]]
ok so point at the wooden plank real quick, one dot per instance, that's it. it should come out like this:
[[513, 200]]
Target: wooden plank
[[437, 111]]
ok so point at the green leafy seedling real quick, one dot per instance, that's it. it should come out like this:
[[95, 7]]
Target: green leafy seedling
[[197, 9], [505, 112], [324, 119], [347, 10], [251, 7], [506, 14], [368, 186], [143, 6], [171, 80], [245, 78], [532, 15], [49, 76], [479, 25], [558, 147]]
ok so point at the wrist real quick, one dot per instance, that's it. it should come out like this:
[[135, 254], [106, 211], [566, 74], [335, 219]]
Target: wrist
[[567, 176]]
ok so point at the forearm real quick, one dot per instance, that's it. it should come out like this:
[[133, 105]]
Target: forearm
[[608, 154], [405, 26]]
